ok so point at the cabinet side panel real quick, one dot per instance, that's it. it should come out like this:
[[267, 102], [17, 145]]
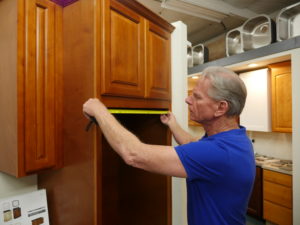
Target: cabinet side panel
[[8, 86], [72, 198]]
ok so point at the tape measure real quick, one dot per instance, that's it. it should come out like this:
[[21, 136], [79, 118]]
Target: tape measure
[[137, 111]]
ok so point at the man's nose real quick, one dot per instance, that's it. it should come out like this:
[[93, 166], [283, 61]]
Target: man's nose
[[188, 100]]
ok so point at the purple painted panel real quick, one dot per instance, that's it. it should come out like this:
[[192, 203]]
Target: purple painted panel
[[64, 2]]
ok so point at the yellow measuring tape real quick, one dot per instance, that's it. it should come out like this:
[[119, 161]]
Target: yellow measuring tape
[[137, 111]]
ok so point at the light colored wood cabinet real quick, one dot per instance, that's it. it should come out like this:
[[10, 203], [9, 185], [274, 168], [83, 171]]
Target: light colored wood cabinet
[[281, 97], [125, 55], [32, 82], [158, 62], [277, 195], [136, 55]]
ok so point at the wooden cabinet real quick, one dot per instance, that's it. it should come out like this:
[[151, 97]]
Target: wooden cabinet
[[158, 62], [105, 55], [255, 203], [31, 86], [125, 56], [277, 192], [281, 97], [136, 54]]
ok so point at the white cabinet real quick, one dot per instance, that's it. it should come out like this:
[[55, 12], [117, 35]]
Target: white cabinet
[[256, 115]]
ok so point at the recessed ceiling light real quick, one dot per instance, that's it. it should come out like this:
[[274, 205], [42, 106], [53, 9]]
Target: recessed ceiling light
[[252, 65]]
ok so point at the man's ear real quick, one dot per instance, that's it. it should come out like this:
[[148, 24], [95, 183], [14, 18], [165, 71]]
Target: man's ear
[[223, 107]]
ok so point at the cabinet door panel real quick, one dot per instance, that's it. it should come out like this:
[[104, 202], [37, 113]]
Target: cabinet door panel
[[277, 214], [40, 86], [281, 97], [278, 194], [158, 63], [124, 75]]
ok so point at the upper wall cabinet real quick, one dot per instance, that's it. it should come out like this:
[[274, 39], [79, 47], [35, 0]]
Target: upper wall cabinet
[[158, 62], [30, 87], [281, 97], [136, 56], [256, 115], [125, 56]]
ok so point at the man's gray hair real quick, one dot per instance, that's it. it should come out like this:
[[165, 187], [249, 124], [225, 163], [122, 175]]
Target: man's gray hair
[[226, 85]]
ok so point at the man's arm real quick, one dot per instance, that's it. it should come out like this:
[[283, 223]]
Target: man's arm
[[180, 135], [153, 158]]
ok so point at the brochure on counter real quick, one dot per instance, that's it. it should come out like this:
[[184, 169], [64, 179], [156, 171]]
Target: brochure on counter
[[26, 209]]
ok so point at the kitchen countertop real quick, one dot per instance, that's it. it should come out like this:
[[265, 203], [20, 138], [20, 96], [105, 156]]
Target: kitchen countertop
[[277, 165]]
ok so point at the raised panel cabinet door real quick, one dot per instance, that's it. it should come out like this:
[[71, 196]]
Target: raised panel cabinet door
[[281, 97], [158, 63], [40, 94], [124, 51]]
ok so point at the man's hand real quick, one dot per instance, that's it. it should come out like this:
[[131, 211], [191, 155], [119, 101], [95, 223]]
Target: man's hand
[[93, 106], [168, 119]]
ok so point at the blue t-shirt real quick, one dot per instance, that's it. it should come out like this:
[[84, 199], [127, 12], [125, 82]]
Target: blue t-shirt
[[220, 175]]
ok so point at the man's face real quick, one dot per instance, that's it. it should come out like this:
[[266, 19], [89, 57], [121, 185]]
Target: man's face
[[202, 107]]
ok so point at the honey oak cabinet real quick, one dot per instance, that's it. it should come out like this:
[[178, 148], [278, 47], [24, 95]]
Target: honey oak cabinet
[[136, 60], [106, 52], [158, 62], [281, 97], [30, 86], [277, 195]]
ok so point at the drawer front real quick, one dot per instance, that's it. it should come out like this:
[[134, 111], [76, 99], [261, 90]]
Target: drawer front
[[277, 194], [277, 214], [278, 178]]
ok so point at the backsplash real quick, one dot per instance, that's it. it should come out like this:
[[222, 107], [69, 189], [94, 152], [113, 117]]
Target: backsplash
[[278, 145]]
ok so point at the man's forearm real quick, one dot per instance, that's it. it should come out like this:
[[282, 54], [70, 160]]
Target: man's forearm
[[121, 140], [181, 136]]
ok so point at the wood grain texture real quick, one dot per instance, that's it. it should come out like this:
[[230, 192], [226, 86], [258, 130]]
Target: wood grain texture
[[32, 83], [278, 178], [281, 97], [93, 181], [8, 86], [158, 66], [39, 86], [277, 214], [125, 52], [73, 188], [277, 194]]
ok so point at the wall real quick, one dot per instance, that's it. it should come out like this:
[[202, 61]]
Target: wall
[[278, 145], [179, 93], [296, 134], [10, 185]]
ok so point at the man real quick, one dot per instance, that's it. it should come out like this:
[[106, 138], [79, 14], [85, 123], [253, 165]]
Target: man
[[220, 168]]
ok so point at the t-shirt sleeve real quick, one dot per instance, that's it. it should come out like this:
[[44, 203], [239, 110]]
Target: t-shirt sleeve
[[203, 159]]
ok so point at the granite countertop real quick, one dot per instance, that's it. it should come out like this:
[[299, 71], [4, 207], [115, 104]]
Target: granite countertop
[[275, 164]]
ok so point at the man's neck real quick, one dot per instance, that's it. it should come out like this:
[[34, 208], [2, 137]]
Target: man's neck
[[220, 124]]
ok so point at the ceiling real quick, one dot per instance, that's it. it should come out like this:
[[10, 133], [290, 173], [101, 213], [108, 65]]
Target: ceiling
[[233, 14]]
